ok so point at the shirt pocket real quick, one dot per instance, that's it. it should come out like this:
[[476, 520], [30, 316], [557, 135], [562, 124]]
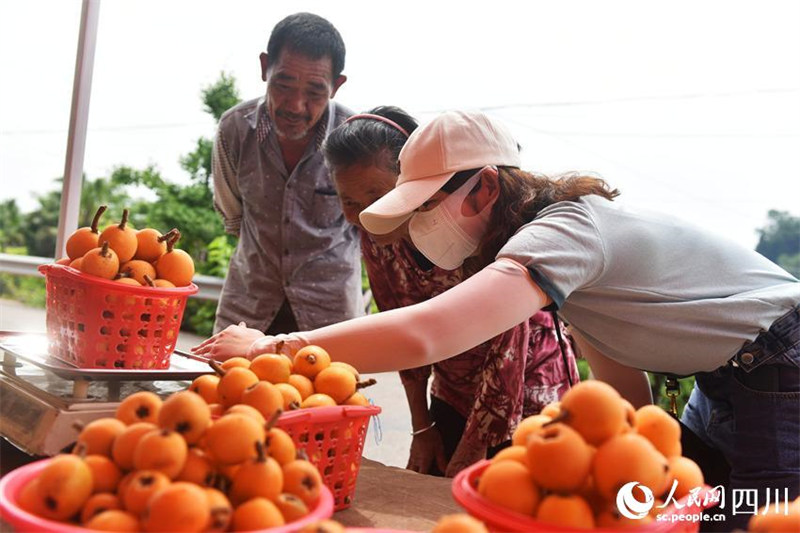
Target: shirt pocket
[[327, 211]]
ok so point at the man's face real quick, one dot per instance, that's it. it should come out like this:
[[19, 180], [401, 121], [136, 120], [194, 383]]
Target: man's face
[[298, 91]]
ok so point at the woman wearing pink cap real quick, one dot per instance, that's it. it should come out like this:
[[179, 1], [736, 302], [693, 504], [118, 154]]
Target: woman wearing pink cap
[[641, 291], [478, 397]]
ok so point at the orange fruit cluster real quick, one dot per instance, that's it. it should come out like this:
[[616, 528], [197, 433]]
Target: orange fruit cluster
[[566, 464], [781, 518], [167, 465], [139, 258], [274, 382]]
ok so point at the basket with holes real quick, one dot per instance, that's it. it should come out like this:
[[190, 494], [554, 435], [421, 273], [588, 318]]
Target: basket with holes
[[97, 323], [333, 439], [12, 509], [680, 517]]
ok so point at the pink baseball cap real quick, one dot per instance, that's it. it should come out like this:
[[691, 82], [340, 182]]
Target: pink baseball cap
[[452, 142]]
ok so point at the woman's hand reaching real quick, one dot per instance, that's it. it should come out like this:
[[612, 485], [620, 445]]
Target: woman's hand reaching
[[287, 343], [233, 341]]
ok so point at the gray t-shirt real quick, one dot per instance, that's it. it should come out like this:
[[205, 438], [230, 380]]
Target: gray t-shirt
[[648, 290]]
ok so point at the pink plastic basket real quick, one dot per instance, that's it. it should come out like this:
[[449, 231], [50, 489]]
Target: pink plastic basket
[[97, 323], [13, 482], [333, 438], [498, 519]]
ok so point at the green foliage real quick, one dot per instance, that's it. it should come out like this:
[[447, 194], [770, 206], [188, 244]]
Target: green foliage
[[791, 263], [657, 386], [28, 289], [221, 95], [781, 235], [217, 98], [102, 191], [372, 308], [583, 369], [41, 225], [11, 226], [198, 163], [199, 317], [188, 208], [220, 251]]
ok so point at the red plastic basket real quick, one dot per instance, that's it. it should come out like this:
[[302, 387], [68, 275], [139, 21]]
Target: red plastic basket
[[333, 438], [13, 482], [498, 519], [97, 323]]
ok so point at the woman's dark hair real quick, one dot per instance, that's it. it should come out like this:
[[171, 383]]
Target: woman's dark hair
[[310, 35], [522, 196], [369, 141]]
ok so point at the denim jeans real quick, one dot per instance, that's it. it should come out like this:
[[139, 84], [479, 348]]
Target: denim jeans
[[749, 410]]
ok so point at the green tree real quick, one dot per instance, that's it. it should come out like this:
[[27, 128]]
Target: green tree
[[217, 98], [198, 163], [779, 240], [102, 191], [791, 263], [189, 208], [41, 224], [11, 225], [780, 236], [221, 95]]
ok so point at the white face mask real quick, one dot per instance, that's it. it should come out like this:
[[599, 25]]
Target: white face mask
[[444, 235]]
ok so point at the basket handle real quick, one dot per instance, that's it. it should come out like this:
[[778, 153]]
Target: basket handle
[[339, 411]]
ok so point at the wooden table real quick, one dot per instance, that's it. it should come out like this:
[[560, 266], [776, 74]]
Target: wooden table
[[395, 498]]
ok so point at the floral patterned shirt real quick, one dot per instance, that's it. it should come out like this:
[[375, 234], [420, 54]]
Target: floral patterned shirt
[[493, 385]]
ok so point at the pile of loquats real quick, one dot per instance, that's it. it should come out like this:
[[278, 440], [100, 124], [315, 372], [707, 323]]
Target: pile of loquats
[[566, 464], [275, 381], [120, 253], [167, 465], [272, 383]]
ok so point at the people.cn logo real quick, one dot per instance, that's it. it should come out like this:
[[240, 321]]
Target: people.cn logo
[[629, 506]]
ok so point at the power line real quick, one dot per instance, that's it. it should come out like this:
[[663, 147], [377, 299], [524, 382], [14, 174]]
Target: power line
[[528, 105]]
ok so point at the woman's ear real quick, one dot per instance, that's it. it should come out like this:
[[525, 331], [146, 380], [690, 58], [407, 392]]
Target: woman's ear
[[490, 182], [264, 60], [487, 190]]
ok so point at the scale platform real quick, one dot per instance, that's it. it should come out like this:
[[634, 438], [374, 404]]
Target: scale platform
[[42, 399]]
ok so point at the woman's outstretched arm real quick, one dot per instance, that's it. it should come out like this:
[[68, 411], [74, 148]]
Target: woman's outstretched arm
[[492, 301]]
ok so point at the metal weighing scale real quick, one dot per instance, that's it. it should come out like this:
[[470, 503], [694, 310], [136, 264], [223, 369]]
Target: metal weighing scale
[[42, 398]]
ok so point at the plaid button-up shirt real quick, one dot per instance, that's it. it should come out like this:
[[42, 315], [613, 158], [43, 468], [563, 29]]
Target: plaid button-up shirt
[[294, 242]]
